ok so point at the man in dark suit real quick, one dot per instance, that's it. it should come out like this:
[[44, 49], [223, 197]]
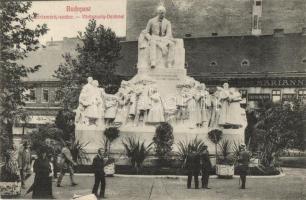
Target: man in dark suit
[[98, 168], [193, 168], [206, 168], [243, 160]]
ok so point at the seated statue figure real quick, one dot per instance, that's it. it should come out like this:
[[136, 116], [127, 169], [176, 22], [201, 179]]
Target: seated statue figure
[[157, 44]]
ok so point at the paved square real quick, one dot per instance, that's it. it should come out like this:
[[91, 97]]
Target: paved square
[[290, 186]]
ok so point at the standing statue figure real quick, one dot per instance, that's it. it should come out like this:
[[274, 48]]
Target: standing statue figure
[[143, 104], [87, 112], [215, 108], [158, 34], [236, 120], [224, 100], [203, 103], [156, 113]]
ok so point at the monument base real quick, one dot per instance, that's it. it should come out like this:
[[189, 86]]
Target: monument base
[[94, 138]]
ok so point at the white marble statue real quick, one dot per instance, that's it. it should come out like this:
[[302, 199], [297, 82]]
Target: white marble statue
[[215, 108], [156, 112], [224, 100], [143, 104], [158, 34], [236, 119], [89, 100], [111, 104], [203, 102]]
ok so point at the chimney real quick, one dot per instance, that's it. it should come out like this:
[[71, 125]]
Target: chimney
[[278, 32], [304, 31]]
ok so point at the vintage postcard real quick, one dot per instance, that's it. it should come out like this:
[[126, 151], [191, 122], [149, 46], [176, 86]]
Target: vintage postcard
[[153, 99]]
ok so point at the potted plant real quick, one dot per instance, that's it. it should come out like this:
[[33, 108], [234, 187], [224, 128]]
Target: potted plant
[[215, 137], [10, 185], [225, 167], [136, 151], [111, 134]]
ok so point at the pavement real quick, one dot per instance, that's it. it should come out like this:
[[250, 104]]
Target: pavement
[[290, 186]]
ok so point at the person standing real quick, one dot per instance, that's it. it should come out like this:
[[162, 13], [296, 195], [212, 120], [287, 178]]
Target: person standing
[[66, 163], [98, 168], [193, 168], [206, 168], [243, 160], [41, 188], [24, 162]]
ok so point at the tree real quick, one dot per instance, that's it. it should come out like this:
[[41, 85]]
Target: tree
[[215, 137], [98, 52], [280, 127], [111, 134], [65, 121], [163, 140], [17, 40]]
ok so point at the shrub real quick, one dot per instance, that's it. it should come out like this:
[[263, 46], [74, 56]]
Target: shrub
[[9, 171], [136, 151], [215, 137], [225, 148], [79, 153], [185, 147], [163, 140]]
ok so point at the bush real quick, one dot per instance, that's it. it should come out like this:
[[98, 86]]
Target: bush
[[79, 153], [136, 151], [163, 140], [215, 137], [185, 147], [226, 158], [9, 171]]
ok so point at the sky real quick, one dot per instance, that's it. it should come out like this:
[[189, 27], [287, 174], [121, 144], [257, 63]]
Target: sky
[[67, 23]]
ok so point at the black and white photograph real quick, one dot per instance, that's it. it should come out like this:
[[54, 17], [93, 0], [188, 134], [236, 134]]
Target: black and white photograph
[[153, 99]]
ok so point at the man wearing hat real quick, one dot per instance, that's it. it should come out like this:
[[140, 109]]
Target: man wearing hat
[[66, 163], [243, 160], [24, 162], [98, 167], [206, 167], [193, 168]]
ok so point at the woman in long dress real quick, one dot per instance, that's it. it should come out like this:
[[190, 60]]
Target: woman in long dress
[[156, 113], [41, 188]]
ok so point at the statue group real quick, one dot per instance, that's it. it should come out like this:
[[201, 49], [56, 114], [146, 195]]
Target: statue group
[[138, 102]]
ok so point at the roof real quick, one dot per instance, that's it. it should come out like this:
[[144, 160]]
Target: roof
[[266, 55], [218, 56], [49, 58]]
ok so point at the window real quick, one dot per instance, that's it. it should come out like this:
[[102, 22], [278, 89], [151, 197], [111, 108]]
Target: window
[[276, 95], [57, 96], [255, 22], [258, 3], [245, 63], [289, 97], [45, 95], [30, 96], [244, 93], [302, 94], [213, 64]]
